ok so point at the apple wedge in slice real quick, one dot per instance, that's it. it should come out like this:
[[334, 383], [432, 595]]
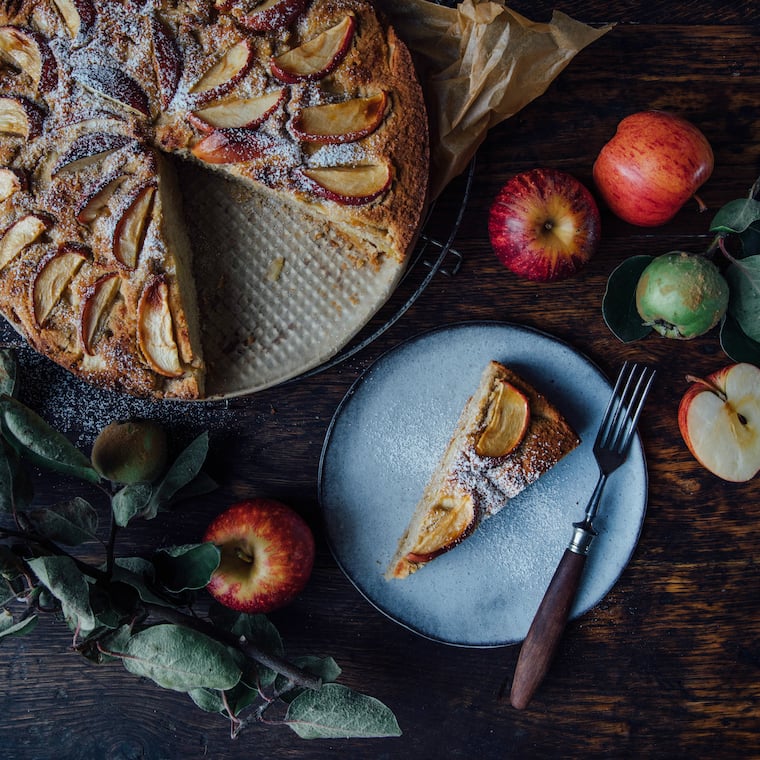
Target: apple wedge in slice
[[317, 57], [237, 112], [349, 185], [28, 50], [343, 122], [507, 421], [269, 15], [225, 73], [11, 181], [78, 15], [97, 197], [23, 232], [54, 273], [20, 117], [167, 60], [96, 308], [129, 231], [155, 329], [111, 83]]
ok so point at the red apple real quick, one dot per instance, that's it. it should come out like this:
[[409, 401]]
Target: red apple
[[267, 553], [719, 418], [544, 225], [655, 162]]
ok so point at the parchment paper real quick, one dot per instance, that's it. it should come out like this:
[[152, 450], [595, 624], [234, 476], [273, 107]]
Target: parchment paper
[[480, 63]]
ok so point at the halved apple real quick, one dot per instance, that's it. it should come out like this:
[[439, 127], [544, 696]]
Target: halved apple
[[349, 185], [54, 273], [343, 122], [129, 231], [97, 197], [270, 15], [231, 146], [28, 50], [450, 521], [11, 181], [114, 85], [507, 423], [96, 308], [225, 73], [23, 232], [237, 112], [317, 57], [20, 117], [167, 60], [155, 329], [77, 15], [88, 149]]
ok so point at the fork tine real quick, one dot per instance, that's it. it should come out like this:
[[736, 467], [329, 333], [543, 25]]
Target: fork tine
[[629, 404]]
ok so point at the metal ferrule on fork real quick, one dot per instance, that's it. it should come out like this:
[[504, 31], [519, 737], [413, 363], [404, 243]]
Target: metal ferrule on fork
[[583, 535]]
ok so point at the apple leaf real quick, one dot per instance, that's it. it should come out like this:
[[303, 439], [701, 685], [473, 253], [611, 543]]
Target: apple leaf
[[736, 344], [750, 240], [337, 712], [325, 668], [182, 472], [141, 575], [619, 302], [8, 372], [743, 279], [11, 627], [186, 568], [70, 523], [33, 438], [64, 580], [130, 501], [736, 216], [180, 658]]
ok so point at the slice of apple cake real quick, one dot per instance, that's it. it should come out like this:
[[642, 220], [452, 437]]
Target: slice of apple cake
[[507, 436]]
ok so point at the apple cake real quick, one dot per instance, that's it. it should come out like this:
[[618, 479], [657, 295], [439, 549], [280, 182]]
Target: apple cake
[[314, 103], [507, 436]]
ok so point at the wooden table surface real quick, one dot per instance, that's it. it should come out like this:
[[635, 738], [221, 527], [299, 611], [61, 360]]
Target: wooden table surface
[[668, 664]]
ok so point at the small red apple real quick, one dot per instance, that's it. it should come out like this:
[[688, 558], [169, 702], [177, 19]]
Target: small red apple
[[719, 418], [267, 553], [654, 163], [544, 225]]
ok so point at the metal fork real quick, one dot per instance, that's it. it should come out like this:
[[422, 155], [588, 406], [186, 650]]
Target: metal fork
[[610, 450]]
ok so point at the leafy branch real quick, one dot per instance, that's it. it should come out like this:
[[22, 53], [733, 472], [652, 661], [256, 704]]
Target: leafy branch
[[142, 611]]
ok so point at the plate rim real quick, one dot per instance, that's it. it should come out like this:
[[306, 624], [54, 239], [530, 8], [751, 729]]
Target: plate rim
[[351, 392]]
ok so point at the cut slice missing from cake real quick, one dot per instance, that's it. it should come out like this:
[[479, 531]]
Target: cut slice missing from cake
[[507, 436]]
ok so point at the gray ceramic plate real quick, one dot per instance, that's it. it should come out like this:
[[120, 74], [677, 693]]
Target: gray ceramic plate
[[385, 440]]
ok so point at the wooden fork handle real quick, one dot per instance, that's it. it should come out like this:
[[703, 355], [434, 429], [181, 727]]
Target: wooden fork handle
[[546, 629]]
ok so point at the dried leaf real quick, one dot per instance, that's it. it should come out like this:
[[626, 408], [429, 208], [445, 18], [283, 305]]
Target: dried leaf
[[337, 712], [180, 659], [63, 579], [33, 438]]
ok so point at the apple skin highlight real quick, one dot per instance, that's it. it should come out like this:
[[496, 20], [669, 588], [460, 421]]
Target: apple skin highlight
[[267, 554]]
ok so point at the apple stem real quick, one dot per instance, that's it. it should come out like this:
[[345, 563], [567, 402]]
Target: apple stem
[[700, 204], [243, 555], [711, 386]]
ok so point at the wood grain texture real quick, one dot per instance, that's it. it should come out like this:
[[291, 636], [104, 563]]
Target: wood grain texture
[[668, 664]]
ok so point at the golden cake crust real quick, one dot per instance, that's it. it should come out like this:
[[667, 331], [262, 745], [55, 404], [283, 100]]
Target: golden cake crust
[[467, 487]]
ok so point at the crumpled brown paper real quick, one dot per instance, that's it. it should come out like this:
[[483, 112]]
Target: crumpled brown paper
[[480, 63]]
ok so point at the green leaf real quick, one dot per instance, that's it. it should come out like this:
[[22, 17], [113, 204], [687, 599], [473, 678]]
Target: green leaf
[[131, 501], [743, 280], [750, 240], [9, 627], [619, 302], [207, 699], [736, 344], [181, 568], [99, 650], [16, 488], [33, 438], [65, 582], [70, 523], [8, 372], [324, 668], [736, 216], [337, 712], [183, 471], [179, 658], [10, 563], [141, 575]]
